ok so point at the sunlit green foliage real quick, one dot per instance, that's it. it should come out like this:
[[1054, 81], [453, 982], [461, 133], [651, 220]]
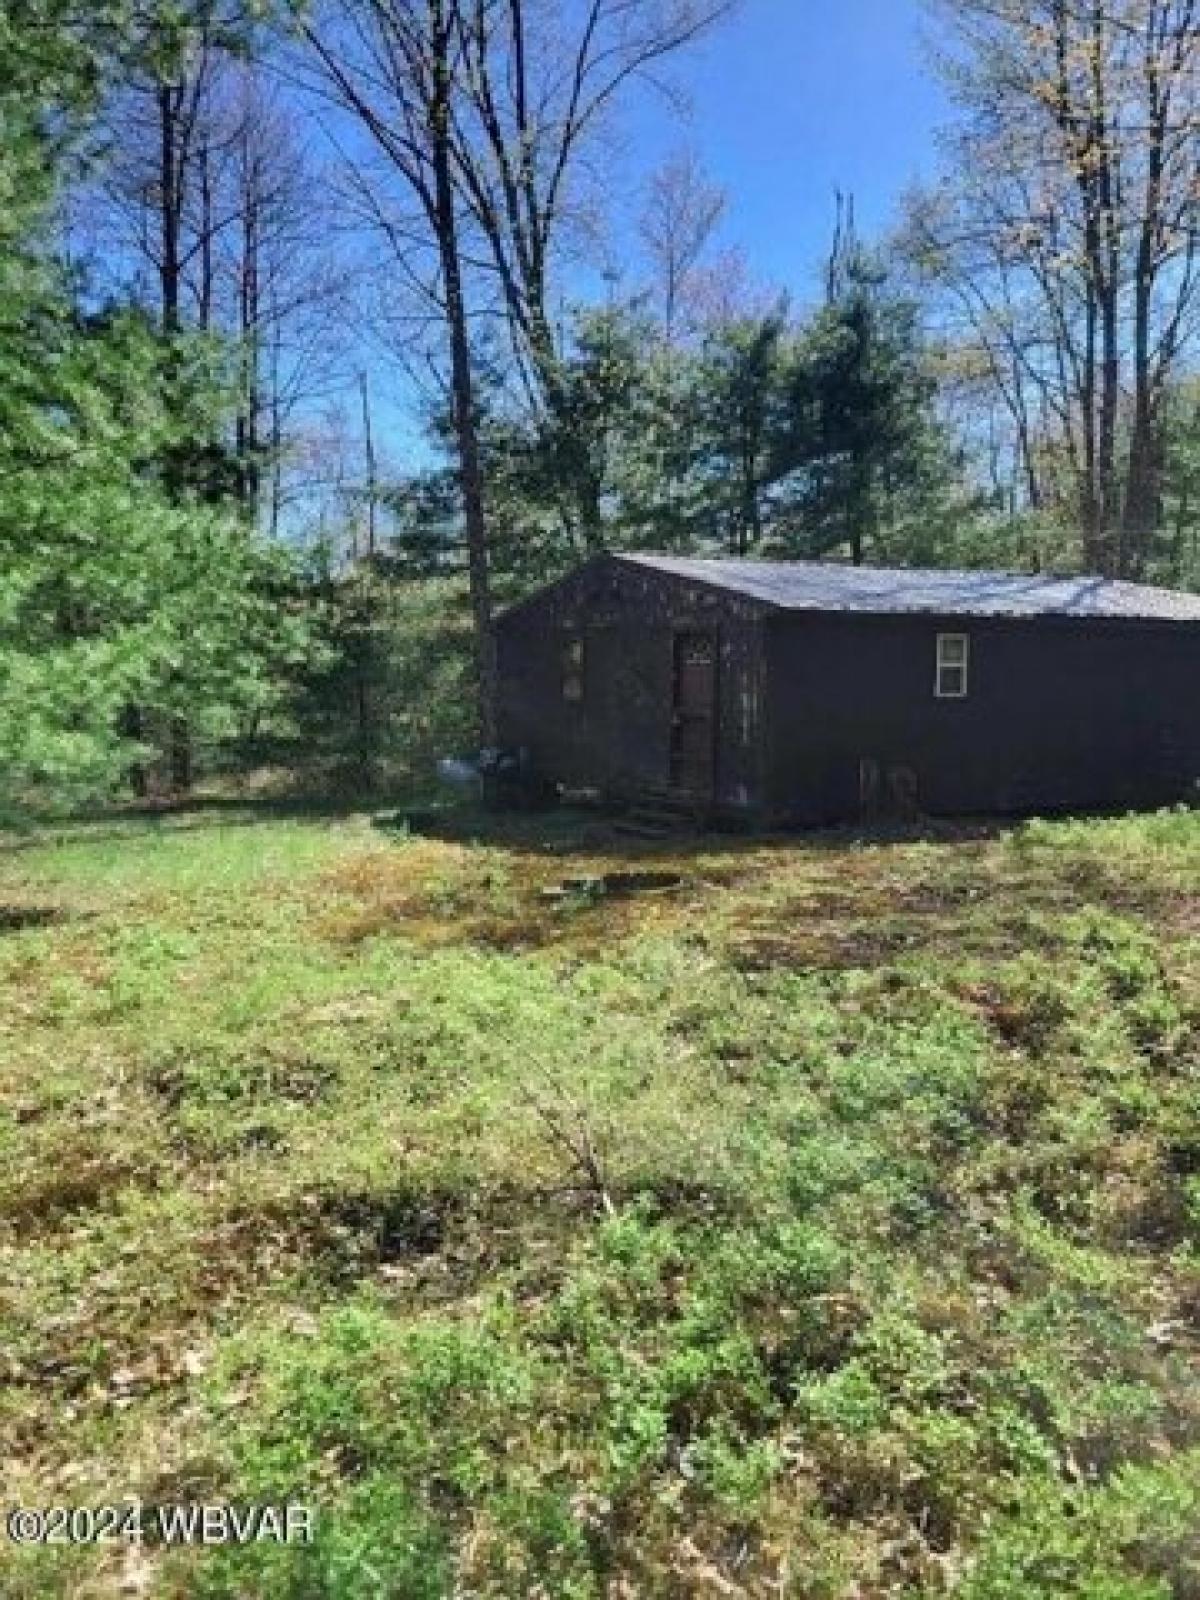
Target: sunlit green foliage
[[121, 585]]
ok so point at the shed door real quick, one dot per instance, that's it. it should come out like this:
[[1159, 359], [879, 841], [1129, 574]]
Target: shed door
[[693, 722]]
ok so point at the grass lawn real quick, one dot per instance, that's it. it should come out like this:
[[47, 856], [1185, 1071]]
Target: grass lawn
[[826, 1225]]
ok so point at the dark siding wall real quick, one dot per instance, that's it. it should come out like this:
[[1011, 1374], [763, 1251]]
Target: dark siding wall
[[619, 738], [741, 691], [1061, 714], [620, 732]]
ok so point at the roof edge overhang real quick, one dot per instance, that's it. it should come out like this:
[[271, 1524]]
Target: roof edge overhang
[[630, 561], [770, 609], [781, 609]]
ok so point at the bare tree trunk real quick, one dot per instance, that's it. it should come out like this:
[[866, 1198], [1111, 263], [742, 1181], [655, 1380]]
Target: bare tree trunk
[[249, 314], [208, 226], [362, 698], [276, 414], [1141, 510], [1108, 271], [173, 155], [181, 755], [462, 384], [402, 89], [170, 201], [133, 727], [858, 527], [372, 484], [749, 525], [515, 149]]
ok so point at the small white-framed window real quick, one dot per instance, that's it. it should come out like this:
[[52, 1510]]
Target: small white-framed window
[[952, 681]]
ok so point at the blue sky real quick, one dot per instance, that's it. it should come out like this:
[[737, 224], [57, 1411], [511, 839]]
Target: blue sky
[[792, 99], [788, 101]]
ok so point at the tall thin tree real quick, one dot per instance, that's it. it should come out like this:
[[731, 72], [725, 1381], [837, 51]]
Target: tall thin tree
[[1069, 233], [394, 66]]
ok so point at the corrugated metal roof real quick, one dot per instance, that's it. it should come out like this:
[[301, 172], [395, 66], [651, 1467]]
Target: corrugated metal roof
[[811, 586]]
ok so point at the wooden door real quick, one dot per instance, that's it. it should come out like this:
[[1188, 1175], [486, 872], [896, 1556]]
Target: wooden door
[[694, 715]]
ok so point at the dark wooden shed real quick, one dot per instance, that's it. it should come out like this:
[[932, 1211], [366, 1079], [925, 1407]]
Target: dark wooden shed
[[802, 693]]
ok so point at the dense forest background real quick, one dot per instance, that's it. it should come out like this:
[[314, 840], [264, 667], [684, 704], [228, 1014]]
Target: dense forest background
[[327, 330]]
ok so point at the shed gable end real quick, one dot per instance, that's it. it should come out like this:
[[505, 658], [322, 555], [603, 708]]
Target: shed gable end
[[609, 589]]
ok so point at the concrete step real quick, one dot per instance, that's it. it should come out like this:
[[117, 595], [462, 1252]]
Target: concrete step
[[658, 822], [669, 815], [631, 829]]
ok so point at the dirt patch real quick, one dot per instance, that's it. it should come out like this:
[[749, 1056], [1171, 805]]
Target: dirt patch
[[66, 1190], [821, 950], [444, 896], [1021, 1021], [385, 1227], [1180, 914], [436, 1245], [614, 884]]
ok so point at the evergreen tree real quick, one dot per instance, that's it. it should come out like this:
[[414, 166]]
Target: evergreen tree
[[119, 586], [610, 467], [874, 474], [745, 394]]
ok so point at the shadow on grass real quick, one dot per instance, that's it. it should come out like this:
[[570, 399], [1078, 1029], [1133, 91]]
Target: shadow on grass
[[561, 831], [19, 919], [567, 832]]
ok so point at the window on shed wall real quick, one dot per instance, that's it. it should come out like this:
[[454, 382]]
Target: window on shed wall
[[953, 666], [572, 671]]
